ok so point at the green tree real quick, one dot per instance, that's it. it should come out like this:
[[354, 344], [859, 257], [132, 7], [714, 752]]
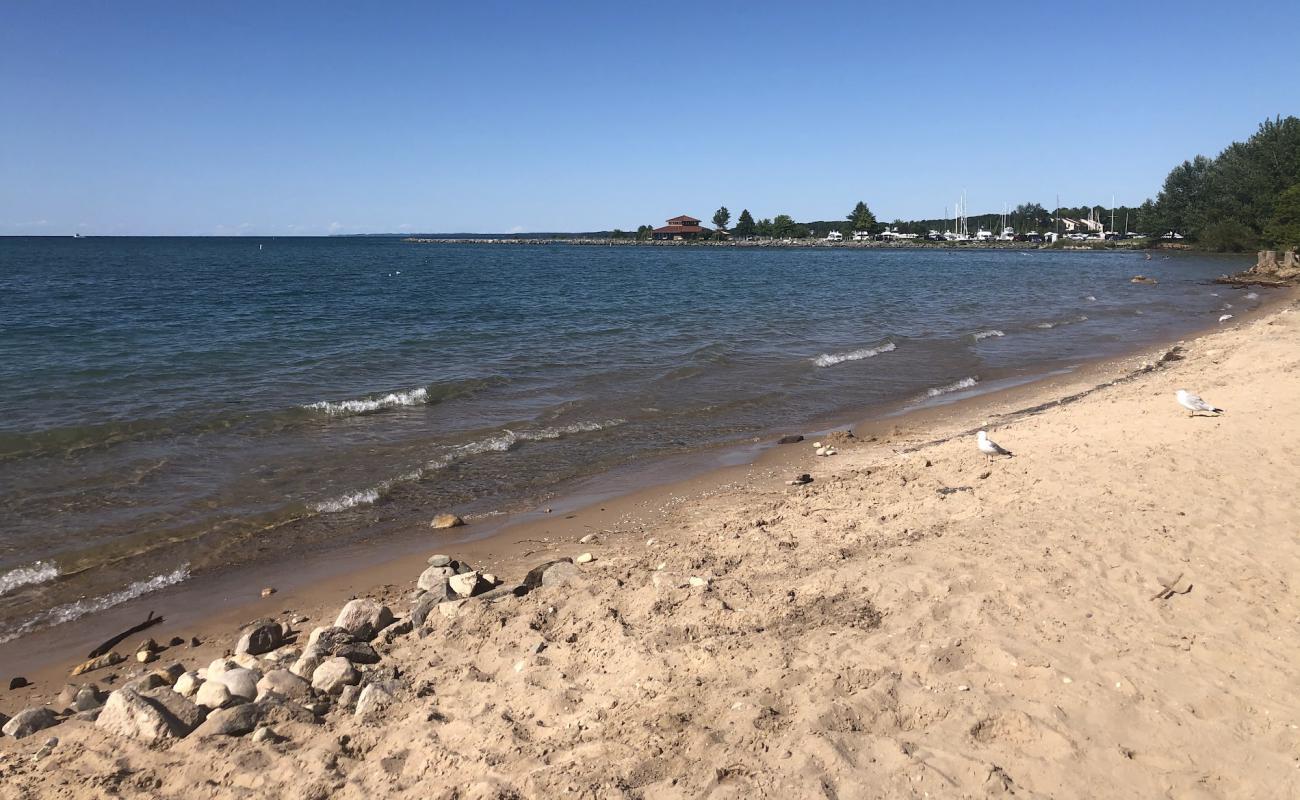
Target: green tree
[[643, 232], [720, 218], [744, 224], [1283, 229], [1227, 236], [783, 226], [764, 227], [861, 218]]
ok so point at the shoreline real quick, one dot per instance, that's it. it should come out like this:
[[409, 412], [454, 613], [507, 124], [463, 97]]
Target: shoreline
[[917, 619], [215, 603]]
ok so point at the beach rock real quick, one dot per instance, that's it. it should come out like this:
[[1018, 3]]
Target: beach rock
[[588, 539], [584, 558], [268, 591], [363, 618], [18, 683], [175, 641], [373, 701], [800, 480], [422, 608], [235, 721], [260, 636], [552, 573], [392, 632], [221, 666], [467, 584], [3, 719], [129, 714], [187, 684], [181, 709], [439, 561], [89, 715], [240, 682], [29, 721], [792, 439], [172, 672], [214, 695], [348, 697], [450, 608], [150, 680], [283, 683], [358, 653], [107, 660], [66, 696], [87, 697], [434, 579], [333, 674], [446, 521], [264, 735]]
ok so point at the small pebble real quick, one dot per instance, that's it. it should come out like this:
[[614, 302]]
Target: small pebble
[[697, 582], [591, 537], [584, 558], [268, 591]]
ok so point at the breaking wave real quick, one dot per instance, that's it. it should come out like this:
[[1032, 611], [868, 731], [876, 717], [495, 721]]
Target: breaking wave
[[986, 334], [1059, 323], [499, 443], [368, 405], [831, 359], [964, 383], [38, 572], [80, 608]]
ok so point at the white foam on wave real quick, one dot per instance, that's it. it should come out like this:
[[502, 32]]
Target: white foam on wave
[[831, 359], [351, 500], [1252, 296], [986, 334], [38, 572], [964, 383], [411, 397], [80, 608], [1058, 323], [508, 439]]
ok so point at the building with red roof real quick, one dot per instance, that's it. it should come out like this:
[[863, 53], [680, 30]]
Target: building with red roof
[[682, 227]]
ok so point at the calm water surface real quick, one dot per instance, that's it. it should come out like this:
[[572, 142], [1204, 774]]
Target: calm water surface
[[169, 406]]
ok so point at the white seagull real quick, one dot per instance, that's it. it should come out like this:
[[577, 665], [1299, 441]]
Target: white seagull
[[1194, 403], [989, 447]]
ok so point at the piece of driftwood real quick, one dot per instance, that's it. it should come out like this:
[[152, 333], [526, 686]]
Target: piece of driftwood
[[149, 622]]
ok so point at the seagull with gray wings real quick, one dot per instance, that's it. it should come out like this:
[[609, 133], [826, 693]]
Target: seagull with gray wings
[[1194, 403], [989, 447]]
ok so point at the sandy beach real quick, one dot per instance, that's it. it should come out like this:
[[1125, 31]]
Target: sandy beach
[[918, 621]]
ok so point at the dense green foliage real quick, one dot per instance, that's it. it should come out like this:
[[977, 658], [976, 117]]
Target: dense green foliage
[[744, 224], [861, 219], [720, 218], [1283, 229], [1231, 201]]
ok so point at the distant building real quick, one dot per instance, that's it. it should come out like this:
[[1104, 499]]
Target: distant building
[[682, 228], [862, 236], [834, 236]]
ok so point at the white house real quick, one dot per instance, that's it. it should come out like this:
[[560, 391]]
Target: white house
[[834, 236], [862, 236]]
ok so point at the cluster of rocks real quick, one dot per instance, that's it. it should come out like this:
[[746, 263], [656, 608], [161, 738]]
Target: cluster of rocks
[[273, 675]]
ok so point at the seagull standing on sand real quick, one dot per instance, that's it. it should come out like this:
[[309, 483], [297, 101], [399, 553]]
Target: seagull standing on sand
[[989, 447], [1194, 403]]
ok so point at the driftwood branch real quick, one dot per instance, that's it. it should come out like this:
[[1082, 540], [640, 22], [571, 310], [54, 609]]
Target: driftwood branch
[[149, 622]]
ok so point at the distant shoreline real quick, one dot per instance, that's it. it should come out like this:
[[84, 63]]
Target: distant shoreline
[[1133, 244]]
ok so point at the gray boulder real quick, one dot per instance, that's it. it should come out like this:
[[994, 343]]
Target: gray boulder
[[284, 683], [552, 573], [128, 713], [439, 561], [421, 610], [29, 721], [235, 721], [188, 683], [240, 682], [373, 701], [363, 618], [392, 632], [261, 636], [213, 694], [180, 708], [434, 579], [333, 674], [144, 683], [88, 697], [358, 653]]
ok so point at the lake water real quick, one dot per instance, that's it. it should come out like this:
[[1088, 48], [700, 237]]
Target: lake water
[[169, 406]]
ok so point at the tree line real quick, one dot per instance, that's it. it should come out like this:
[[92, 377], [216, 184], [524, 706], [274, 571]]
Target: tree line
[[1247, 196]]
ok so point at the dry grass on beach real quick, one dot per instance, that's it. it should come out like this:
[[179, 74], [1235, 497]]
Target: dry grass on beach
[[913, 623]]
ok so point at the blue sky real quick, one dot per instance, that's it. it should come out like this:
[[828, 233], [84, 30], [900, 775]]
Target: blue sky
[[282, 118]]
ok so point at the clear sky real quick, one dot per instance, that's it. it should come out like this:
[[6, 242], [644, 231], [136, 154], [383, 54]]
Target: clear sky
[[282, 118]]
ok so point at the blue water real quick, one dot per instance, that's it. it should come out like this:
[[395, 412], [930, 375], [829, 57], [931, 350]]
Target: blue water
[[174, 405]]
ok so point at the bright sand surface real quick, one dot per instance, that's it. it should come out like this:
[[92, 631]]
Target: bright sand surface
[[916, 622]]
